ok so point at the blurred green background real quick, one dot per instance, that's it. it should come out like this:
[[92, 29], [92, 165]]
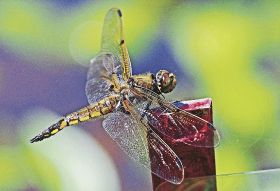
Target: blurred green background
[[228, 51]]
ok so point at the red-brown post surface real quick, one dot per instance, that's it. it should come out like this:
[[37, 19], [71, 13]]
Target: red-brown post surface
[[197, 161]]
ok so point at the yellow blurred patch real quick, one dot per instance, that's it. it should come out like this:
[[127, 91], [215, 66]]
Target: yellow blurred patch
[[85, 41], [10, 176], [230, 159], [18, 19], [220, 45]]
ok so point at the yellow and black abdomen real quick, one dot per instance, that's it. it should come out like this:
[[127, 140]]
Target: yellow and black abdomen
[[101, 108]]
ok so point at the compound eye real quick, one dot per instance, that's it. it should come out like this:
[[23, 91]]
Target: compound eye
[[166, 81]]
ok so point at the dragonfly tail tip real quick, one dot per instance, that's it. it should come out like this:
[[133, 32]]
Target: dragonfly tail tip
[[36, 139]]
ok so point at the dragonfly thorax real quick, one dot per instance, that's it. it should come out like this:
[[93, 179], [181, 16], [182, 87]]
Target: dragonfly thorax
[[166, 81]]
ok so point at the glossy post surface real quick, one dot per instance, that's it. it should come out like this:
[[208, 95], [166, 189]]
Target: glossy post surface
[[197, 161]]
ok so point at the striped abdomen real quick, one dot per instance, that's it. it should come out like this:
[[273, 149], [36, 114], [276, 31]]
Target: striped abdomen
[[92, 111]]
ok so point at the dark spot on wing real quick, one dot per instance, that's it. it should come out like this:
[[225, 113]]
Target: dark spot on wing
[[120, 13], [122, 41]]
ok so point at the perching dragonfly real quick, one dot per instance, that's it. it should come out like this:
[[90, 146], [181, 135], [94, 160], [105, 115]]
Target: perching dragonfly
[[132, 106]]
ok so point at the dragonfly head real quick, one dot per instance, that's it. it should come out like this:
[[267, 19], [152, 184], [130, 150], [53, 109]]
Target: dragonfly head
[[166, 81]]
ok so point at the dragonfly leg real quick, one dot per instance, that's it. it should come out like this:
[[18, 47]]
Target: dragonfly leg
[[146, 108]]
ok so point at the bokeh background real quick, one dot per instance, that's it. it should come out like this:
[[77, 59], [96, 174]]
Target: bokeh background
[[228, 51]]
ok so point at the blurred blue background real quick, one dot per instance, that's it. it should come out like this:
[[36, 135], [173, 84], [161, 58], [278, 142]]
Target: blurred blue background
[[228, 51]]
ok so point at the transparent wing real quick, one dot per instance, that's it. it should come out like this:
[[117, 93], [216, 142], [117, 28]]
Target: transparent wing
[[113, 42], [113, 58], [99, 78], [137, 140], [175, 124]]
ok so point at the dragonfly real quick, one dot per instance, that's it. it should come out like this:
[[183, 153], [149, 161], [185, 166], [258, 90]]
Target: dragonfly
[[132, 107]]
